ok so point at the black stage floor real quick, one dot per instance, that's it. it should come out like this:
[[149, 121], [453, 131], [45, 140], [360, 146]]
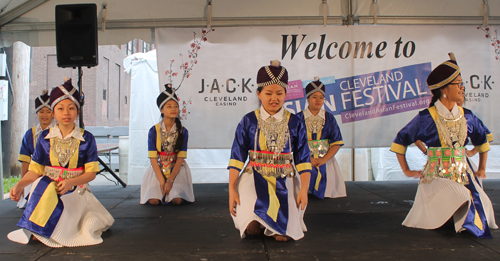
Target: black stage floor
[[364, 226]]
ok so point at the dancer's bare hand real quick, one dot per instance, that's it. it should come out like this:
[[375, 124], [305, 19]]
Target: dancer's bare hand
[[234, 199]]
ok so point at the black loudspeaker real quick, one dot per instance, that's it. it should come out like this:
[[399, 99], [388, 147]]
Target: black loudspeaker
[[76, 35]]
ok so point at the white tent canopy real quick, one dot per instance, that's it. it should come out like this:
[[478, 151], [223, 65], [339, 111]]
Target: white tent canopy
[[119, 21]]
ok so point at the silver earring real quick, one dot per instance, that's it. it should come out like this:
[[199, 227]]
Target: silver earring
[[444, 96]]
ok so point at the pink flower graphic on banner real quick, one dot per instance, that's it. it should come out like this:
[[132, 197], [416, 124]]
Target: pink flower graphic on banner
[[183, 111], [495, 42], [187, 67], [192, 54]]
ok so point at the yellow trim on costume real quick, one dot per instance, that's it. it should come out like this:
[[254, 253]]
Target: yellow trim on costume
[[33, 131], [24, 158], [182, 154], [339, 142], [158, 137], [167, 174], [489, 137], [447, 80], [37, 168], [434, 115], [92, 166], [52, 156], [274, 204], [236, 163], [483, 148], [477, 219], [318, 179], [45, 206], [303, 166], [398, 148], [152, 154]]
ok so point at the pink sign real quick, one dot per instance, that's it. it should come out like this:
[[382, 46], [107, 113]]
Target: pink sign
[[295, 90]]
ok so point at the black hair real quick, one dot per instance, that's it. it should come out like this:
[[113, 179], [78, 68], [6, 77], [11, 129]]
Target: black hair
[[180, 138], [436, 94]]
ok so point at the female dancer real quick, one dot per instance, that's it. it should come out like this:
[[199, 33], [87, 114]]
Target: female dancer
[[448, 187], [168, 179], [269, 194], [61, 210], [44, 114], [325, 139]]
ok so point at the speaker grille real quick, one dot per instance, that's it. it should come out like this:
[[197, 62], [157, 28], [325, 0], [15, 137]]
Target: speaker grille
[[76, 35]]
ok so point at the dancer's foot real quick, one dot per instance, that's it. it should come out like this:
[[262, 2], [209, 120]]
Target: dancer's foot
[[177, 201], [253, 228], [281, 238], [154, 202]]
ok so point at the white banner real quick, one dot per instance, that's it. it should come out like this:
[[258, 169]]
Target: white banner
[[374, 75]]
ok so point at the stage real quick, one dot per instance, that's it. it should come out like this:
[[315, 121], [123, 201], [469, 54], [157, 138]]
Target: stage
[[364, 226]]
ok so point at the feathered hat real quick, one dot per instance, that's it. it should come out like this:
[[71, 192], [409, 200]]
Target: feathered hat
[[272, 74], [443, 74], [167, 95], [63, 92], [42, 101], [315, 86]]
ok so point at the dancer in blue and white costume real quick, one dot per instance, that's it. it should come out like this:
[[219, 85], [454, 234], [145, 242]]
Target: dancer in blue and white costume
[[325, 140], [61, 210], [448, 186], [168, 179], [44, 114], [269, 193]]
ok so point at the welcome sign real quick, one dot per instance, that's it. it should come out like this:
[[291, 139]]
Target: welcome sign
[[374, 76]]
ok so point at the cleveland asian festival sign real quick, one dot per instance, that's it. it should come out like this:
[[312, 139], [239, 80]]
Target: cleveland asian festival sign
[[375, 76]]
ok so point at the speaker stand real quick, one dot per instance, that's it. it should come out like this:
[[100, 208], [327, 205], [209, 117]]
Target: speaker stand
[[82, 97], [82, 101]]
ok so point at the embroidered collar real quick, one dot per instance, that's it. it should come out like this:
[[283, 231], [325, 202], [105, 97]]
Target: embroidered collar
[[172, 130], [278, 116], [39, 128], [56, 132], [321, 113], [441, 109]]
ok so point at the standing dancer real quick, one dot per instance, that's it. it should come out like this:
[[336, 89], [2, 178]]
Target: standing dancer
[[61, 210], [325, 139], [269, 193], [448, 186], [44, 114], [168, 179]]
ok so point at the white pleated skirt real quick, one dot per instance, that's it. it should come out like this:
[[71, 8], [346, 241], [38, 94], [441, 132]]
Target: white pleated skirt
[[436, 202], [182, 187], [245, 211], [335, 185], [81, 223], [22, 201]]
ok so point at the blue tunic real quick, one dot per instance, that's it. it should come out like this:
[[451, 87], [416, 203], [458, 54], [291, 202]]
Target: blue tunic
[[27, 146], [423, 128], [331, 132], [154, 142], [244, 141]]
